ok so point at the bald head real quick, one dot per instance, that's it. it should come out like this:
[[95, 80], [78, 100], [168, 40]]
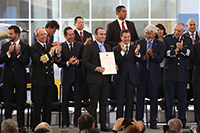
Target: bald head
[[41, 35], [191, 25]]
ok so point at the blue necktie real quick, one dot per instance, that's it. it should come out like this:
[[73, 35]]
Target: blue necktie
[[102, 48], [192, 35], [149, 46]]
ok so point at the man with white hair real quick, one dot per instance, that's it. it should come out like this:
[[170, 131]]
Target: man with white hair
[[9, 126], [178, 49], [152, 51]]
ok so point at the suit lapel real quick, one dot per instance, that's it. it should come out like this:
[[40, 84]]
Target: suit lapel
[[117, 25]]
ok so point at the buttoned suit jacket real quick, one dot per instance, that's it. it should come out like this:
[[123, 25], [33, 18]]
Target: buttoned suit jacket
[[69, 74], [124, 63], [113, 33], [176, 66], [14, 65], [91, 61], [154, 63], [42, 73], [85, 36]]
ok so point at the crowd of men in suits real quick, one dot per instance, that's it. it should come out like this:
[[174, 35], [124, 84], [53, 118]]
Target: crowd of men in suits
[[137, 64]]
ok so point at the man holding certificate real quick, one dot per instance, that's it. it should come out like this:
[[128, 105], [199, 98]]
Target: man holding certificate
[[127, 76], [98, 83]]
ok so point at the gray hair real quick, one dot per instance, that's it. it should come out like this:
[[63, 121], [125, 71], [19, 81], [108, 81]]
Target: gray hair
[[180, 24], [151, 28], [175, 123], [43, 125], [9, 125]]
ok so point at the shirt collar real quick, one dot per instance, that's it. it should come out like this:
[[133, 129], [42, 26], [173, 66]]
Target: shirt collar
[[120, 21], [99, 43], [17, 42], [150, 41], [69, 43], [79, 31], [41, 43], [192, 33]]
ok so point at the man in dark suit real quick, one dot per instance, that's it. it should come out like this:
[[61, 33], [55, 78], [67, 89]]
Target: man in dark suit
[[178, 48], [127, 77], [80, 34], [152, 51], [196, 81], [42, 76], [114, 28], [14, 55], [193, 34], [72, 74], [50, 29], [98, 84]]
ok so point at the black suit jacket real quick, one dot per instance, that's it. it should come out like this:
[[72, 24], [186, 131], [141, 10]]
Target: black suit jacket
[[85, 36], [73, 72], [42, 73], [196, 37], [154, 63], [196, 62], [113, 33], [91, 60], [126, 64], [13, 64]]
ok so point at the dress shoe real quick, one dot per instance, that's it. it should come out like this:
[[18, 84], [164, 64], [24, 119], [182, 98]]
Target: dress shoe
[[23, 130], [185, 127], [105, 128], [154, 127]]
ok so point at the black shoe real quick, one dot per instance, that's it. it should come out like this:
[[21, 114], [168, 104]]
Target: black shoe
[[105, 128], [185, 127], [154, 127]]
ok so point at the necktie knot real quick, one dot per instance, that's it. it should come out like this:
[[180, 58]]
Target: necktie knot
[[70, 46], [149, 44], [192, 35], [81, 35]]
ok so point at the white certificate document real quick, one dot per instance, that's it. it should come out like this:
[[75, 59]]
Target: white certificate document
[[107, 60]]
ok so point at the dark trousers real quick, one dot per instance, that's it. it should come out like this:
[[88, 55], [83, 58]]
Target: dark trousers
[[153, 90], [196, 92], [8, 91], [125, 92], [172, 88], [42, 99], [78, 92], [99, 92]]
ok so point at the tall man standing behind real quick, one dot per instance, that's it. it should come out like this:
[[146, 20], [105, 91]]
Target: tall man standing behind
[[42, 76], [14, 55], [178, 48], [72, 74], [127, 77], [152, 51], [114, 28], [80, 34], [98, 84], [50, 29]]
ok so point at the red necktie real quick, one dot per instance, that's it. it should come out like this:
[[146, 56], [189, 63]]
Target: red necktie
[[81, 36], [123, 27], [48, 39]]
